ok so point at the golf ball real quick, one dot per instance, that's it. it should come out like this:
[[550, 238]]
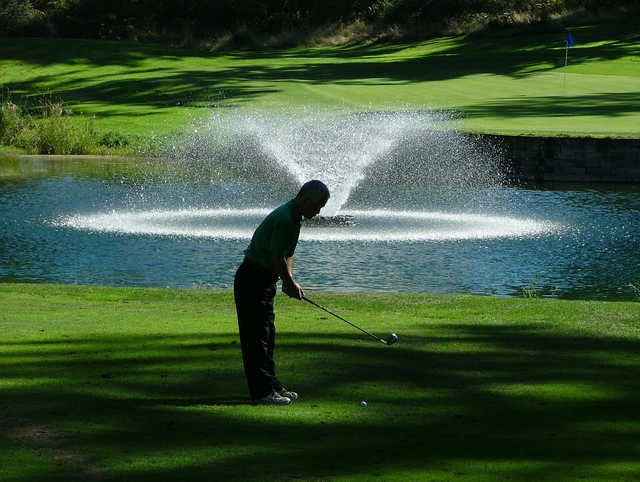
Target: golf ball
[[363, 403]]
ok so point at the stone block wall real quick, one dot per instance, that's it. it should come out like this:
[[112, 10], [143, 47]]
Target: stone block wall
[[570, 159]]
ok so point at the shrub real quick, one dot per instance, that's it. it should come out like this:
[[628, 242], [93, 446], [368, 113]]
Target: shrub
[[15, 15], [189, 22], [113, 139]]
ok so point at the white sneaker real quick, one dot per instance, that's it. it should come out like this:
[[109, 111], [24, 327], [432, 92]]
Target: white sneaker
[[274, 399], [290, 395]]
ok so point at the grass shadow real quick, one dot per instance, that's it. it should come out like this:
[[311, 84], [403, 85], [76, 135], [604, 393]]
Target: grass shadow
[[494, 401], [611, 104]]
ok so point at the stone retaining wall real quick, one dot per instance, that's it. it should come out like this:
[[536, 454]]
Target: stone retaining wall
[[570, 159], [549, 159]]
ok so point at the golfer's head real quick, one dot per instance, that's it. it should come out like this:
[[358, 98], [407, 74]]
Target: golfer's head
[[312, 197]]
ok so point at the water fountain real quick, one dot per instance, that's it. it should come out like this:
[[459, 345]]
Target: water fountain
[[416, 206], [397, 163]]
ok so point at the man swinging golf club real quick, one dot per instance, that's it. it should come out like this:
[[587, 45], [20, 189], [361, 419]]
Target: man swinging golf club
[[268, 258]]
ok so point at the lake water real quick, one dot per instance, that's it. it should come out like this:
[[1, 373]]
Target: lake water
[[107, 224]]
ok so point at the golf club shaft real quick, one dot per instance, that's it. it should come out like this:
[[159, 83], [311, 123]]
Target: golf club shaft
[[341, 318]]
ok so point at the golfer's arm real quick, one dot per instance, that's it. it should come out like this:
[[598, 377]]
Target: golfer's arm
[[284, 267]]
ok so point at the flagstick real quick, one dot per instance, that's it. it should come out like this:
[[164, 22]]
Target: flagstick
[[566, 59]]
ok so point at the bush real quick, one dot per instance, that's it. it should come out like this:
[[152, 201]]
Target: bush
[[18, 16], [113, 139], [189, 22]]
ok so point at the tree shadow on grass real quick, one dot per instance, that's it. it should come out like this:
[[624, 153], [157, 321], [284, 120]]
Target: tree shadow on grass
[[201, 89], [148, 91], [194, 85], [97, 53], [494, 401], [604, 104]]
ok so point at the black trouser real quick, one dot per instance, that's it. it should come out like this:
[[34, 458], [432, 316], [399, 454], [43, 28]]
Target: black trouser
[[254, 289]]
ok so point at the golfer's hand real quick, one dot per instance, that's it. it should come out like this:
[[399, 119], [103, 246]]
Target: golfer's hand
[[293, 290]]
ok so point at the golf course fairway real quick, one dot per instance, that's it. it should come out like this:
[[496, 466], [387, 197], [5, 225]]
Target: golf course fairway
[[138, 384], [510, 81]]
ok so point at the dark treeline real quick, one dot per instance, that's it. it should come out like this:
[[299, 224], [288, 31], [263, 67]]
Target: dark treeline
[[191, 21]]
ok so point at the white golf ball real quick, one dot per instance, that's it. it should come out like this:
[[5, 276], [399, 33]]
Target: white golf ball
[[363, 403]]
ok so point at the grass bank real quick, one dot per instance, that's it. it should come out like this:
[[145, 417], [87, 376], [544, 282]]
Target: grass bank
[[147, 384], [504, 81]]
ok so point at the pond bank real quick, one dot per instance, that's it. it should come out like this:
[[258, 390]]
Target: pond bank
[[62, 157], [532, 159]]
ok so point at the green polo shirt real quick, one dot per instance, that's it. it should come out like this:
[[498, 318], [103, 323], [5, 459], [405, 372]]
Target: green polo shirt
[[278, 233]]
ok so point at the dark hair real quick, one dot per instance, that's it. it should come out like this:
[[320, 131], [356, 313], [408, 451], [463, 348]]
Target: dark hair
[[315, 190]]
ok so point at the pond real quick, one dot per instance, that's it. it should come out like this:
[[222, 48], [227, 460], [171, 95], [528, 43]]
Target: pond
[[122, 224]]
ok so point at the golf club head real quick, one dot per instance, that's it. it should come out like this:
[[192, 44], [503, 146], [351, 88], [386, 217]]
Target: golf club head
[[392, 339]]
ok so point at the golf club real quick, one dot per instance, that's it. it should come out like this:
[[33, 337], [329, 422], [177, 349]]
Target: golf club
[[389, 341]]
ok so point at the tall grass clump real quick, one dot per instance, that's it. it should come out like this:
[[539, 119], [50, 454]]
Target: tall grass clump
[[636, 289], [530, 290], [46, 128], [12, 123], [58, 133]]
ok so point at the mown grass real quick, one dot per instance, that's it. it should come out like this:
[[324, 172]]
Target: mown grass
[[504, 81], [147, 384]]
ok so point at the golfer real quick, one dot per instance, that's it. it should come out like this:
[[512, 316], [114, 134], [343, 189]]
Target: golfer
[[268, 258]]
